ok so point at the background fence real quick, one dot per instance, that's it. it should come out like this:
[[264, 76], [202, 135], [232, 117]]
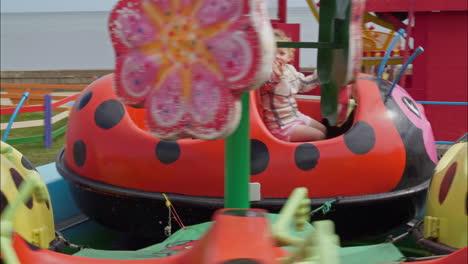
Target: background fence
[[41, 98]]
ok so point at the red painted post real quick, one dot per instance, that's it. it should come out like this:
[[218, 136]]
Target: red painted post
[[440, 73], [409, 34], [282, 11]]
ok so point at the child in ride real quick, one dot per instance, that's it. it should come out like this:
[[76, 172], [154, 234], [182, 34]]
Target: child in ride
[[280, 112]]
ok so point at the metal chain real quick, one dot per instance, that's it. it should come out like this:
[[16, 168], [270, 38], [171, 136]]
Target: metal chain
[[412, 225], [168, 228]]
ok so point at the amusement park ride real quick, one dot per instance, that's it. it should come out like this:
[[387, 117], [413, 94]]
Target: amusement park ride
[[439, 74], [178, 126]]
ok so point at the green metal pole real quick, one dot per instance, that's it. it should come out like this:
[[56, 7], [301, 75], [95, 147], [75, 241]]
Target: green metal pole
[[237, 162]]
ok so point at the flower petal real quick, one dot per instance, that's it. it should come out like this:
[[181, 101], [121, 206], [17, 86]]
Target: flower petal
[[132, 28], [136, 76], [206, 97], [163, 5], [166, 106], [188, 2], [233, 53], [190, 69], [169, 8], [215, 11], [214, 109]]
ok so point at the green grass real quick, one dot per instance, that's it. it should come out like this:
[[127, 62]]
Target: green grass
[[36, 152], [25, 116]]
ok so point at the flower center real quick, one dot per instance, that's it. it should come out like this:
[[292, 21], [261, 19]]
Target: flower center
[[181, 41]]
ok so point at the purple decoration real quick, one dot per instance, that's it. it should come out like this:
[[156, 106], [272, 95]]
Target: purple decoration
[[47, 121]]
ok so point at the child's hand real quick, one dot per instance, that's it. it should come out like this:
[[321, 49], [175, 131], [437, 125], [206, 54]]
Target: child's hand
[[278, 69]]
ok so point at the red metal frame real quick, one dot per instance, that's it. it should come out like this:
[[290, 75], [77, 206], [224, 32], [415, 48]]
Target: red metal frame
[[292, 30], [419, 6], [283, 11], [439, 74]]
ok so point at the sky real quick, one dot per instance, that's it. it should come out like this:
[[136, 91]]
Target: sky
[[9, 6]]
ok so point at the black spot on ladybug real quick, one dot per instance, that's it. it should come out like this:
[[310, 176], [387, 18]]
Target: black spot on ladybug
[[447, 182], [29, 203], [79, 153], [242, 261], [109, 113], [167, 151], [259, 156], [466, 204], [411, 105], [3, 201], [84, 100], [360, 139], [306, 156], [244, 213], [27, 164], [18, 180]]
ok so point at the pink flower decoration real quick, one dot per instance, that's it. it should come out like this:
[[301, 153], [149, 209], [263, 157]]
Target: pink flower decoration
[[188, 61]]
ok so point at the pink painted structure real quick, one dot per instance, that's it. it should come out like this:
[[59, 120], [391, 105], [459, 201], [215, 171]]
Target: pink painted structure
[[441, 72]]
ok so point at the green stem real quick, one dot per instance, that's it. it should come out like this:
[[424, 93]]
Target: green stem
[[237, 162], [9, 254]]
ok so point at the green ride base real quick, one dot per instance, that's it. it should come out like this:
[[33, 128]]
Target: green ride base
[[368, 254]]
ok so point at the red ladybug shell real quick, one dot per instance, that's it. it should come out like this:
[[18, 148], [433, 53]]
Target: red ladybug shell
[[107, 142]]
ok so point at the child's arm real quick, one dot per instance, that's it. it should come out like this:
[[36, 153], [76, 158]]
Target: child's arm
[[275, 76], [270, 84], [305, 83]]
